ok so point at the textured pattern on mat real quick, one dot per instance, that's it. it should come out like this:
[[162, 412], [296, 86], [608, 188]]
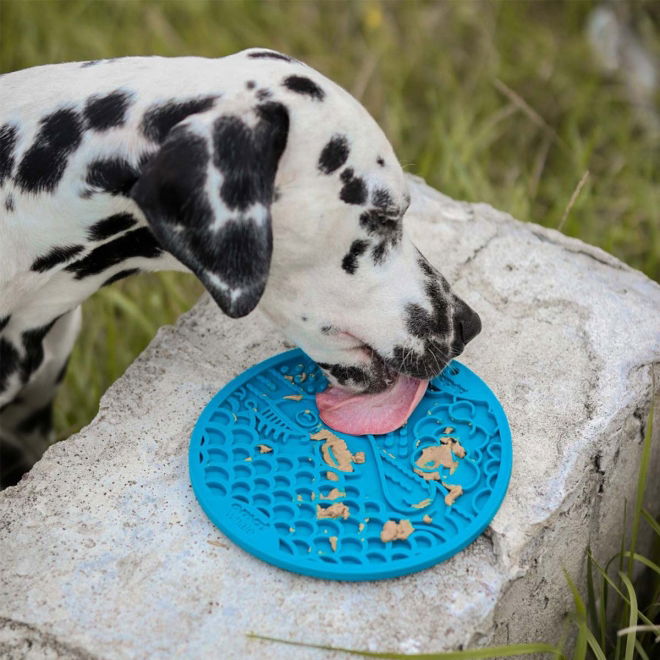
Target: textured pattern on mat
[[260, 477]]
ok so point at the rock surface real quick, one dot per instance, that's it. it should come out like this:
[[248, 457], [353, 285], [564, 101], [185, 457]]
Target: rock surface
[[105, 552]]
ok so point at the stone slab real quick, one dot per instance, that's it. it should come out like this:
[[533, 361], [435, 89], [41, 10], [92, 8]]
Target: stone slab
[[104, 550]]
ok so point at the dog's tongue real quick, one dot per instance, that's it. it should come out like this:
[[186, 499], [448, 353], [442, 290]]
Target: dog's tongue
[[358, 414]]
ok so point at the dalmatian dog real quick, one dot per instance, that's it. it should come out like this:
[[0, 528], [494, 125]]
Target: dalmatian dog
[[269, 182]]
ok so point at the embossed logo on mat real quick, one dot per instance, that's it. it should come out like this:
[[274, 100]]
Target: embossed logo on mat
[[244, 519]]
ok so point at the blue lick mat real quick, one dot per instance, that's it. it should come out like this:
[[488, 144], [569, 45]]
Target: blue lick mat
[[260, 477]]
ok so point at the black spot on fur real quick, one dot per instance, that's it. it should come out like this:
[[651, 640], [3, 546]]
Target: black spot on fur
[[378, 253], [270, 54], [38, 421], [380, 161], [346, 175], [55, 256], [439, 293], [426, 267], [9, 203], [110, 226], [334, 154], [241, 186], [272, 135], [136, 243], [112, 175], [121, 275], [170, 189], [384, 219], [7, 144], [250, 84], [84, 65], [248, 157], [9, 362], [44, 163], [419, 322], [349, 262], [105, 112], [244, 248], [304, 85], [161, 118], [354, 190], [344, 373], [326, 329], [4, 321], [376, 222], [263, 94], [34, 349], [382, 199]]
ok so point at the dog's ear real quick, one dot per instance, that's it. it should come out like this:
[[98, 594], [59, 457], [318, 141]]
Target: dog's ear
[[207, 194]]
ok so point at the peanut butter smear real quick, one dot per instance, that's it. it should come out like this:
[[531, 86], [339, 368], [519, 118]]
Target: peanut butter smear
[[393, 531], [422, 504], [264, 449], [294, 397], [427, 519], [339, 457], [435, 456], [332, 476], [428, 476], [456, 446], [440, 456], [336, 510], [455, 491], [333, 494], [333, 543]]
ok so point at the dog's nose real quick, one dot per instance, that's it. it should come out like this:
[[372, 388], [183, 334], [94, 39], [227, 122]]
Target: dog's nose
[[468, 322]]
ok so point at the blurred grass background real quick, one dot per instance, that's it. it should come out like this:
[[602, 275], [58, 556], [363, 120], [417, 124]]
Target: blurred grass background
[[490, 101]]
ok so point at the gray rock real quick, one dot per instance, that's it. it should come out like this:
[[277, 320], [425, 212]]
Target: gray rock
[[104, 550]]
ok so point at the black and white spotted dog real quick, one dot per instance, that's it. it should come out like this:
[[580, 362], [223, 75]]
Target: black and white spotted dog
[[265, 179]]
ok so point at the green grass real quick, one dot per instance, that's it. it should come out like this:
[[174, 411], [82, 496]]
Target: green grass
[[489, 101]]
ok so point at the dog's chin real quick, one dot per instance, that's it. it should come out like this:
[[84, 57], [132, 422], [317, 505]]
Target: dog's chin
[[388, 370], [361, 378], [376, 374]]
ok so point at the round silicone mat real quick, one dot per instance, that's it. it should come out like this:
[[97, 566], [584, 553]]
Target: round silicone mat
[[262, 479]]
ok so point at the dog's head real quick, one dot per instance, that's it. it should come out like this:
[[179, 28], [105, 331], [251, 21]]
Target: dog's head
[[297, 200]]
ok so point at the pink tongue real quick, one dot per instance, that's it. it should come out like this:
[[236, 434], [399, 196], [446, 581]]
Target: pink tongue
[[358, 414]]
